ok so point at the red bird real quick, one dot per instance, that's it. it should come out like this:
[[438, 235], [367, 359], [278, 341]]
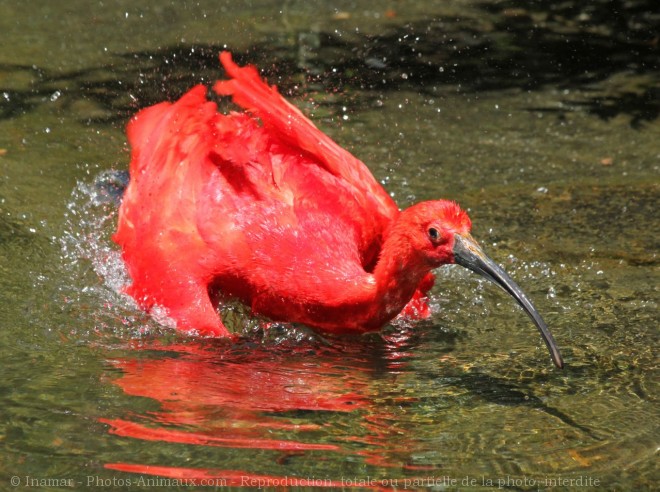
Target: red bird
[[264, 207]]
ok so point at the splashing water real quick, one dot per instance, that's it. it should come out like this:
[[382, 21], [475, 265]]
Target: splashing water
[[97, 271], [90, 221]]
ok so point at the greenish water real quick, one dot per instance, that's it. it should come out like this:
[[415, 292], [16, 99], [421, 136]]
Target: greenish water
[[542, 122]]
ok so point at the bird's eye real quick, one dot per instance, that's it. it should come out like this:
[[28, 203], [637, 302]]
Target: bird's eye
[[434, 234]]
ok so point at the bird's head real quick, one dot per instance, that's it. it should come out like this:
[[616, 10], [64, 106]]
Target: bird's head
[[431, 228], [439, 231]]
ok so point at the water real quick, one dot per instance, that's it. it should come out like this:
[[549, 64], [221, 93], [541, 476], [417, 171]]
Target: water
[[549, 139]]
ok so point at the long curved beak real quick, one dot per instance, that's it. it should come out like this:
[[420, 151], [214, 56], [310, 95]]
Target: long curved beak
[[467, 253]]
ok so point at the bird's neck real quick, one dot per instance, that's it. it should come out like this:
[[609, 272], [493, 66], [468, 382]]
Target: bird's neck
[[398, 273]]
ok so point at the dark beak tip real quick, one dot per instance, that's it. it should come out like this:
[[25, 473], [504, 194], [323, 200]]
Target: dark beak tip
[[468, 254]]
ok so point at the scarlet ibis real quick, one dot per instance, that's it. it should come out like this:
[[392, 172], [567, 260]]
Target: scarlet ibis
[[262, 206]]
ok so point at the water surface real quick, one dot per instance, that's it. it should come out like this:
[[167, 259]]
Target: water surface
[[541, 122]]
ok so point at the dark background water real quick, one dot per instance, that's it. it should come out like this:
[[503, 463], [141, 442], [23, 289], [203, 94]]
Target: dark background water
[[540, 118]]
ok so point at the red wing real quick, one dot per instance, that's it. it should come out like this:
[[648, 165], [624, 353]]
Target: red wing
[[253, 94]]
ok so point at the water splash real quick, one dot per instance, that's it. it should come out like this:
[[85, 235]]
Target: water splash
[[92, 262], [90, 220]]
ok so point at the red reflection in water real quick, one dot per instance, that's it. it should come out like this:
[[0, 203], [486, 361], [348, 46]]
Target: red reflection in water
[[125, 428], [253, 400]]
